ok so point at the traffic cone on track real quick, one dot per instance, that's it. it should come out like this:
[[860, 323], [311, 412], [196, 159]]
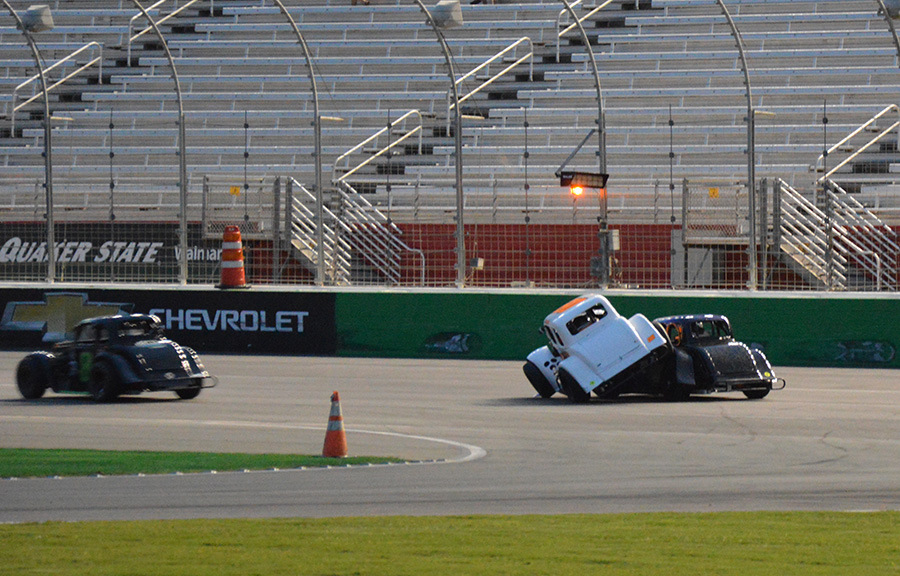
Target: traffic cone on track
[[335, 438], [232, 259]]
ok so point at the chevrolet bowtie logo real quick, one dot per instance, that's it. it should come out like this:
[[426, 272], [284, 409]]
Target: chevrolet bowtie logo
[[57, 314]]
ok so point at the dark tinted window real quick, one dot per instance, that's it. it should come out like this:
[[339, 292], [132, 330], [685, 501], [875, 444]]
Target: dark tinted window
[[582, 321], [710, 329]]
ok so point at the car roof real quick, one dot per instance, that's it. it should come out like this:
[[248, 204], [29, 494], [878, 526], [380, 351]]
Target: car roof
[[688, 318], [576, 306], [117, 319]]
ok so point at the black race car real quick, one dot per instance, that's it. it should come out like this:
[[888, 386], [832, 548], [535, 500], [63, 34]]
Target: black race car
[[114, 355], [708, 359]]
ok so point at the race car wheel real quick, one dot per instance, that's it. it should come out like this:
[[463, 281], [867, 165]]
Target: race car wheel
[[189, 393], [31, 378], [571, 388], [105, 384], [756, 394], [537, 379]]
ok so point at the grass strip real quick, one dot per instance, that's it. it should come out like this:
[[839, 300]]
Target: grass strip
[[745, 544], [25, 463]]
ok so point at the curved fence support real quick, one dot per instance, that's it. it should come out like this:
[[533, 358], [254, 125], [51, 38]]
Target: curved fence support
[[182, 155], [317, 144], [457, 128], [751, 148], [48, 147]]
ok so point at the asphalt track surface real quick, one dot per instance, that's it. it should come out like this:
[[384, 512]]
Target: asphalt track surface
[[482, 444]]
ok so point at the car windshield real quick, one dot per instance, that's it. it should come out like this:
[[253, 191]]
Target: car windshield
[[710, 330], [138, 329]]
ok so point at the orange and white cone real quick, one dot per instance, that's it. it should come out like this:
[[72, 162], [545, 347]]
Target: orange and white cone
[[335, 438], [232, 259]]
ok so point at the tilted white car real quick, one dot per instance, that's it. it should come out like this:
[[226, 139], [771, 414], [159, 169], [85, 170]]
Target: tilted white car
[[593, 348]]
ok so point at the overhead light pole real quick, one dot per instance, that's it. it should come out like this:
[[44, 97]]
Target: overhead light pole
[[453, 17], [603, 220], [39, 19], [601, 116], [182, 155], [751, 150]]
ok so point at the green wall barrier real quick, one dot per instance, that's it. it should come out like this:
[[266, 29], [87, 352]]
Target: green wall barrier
[[816, 330]]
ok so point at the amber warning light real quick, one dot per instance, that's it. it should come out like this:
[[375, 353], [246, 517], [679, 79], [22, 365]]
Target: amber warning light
[[578, 181]]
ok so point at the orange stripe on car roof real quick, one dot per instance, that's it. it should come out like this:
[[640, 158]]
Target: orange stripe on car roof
[[568, 305]]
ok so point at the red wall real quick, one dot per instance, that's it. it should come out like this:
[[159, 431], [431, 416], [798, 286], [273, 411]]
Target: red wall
[[552, 254]]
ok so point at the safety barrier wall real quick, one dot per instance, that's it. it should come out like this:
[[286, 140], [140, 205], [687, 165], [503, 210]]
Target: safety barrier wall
[[795, 330]]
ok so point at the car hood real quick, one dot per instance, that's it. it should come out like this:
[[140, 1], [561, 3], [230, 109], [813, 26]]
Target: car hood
[[161, 355]]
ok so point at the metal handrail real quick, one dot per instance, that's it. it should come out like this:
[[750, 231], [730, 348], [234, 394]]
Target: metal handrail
[[882, 133], [364, 213], [877, 245], [94, 60], [864, 215], [132, 38], [417, 130], [803, 229], [529, 56], [573, 25], [336, 257], [806, 222]]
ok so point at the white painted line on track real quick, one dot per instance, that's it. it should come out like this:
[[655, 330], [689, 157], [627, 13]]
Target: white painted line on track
[[473, 452]]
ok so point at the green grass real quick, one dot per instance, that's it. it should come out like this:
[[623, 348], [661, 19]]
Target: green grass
[[744, 544], [740, 544], [24, 463]]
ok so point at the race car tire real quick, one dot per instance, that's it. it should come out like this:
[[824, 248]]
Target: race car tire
[[32, 378], [571, 388], [538, 380], [756, 394], [189, 393], [105, 384], [677, 392]]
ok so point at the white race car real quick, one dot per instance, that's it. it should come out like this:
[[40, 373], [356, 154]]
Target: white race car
[[592, 348]]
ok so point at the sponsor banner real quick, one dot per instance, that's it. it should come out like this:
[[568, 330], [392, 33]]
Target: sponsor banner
[[81, 243], [207, 320], [84, 252]]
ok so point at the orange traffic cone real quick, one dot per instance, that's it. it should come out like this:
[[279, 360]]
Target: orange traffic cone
[[335, 438], [232, 259]]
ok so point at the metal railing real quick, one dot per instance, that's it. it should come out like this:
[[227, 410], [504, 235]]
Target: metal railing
[[303, 235], [511, 48], [94, 60], [843, 144], [345, 157], [375, 236], [877, 242], [570, 27], [802, 235], [132, 37], [828, 242]]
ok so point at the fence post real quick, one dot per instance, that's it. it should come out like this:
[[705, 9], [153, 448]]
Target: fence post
[[763, 230], [829, 236], [685, 195], [278, 243]]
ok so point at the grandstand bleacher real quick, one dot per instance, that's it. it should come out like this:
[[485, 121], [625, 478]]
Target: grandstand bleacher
[[673, 96]]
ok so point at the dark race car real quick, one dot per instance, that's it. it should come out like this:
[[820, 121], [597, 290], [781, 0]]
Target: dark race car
[[114, 355], [708, 359]]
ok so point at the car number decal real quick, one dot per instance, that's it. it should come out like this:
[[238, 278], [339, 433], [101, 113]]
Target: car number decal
[[85, 363]]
